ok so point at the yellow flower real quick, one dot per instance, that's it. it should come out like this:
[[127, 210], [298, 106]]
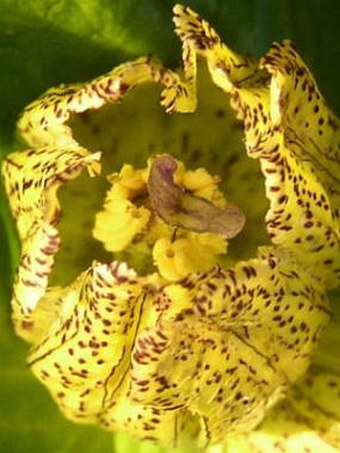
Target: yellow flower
[[184, 343]]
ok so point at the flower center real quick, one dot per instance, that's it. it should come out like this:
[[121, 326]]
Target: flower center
[[129, 133], [167, 217]]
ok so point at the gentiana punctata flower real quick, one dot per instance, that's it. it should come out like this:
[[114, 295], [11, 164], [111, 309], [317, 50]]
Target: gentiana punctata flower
[[164, 334]]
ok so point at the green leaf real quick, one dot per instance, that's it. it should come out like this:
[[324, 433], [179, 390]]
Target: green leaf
[[44, 43]]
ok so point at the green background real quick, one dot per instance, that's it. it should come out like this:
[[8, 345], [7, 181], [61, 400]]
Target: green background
[[46, 42]]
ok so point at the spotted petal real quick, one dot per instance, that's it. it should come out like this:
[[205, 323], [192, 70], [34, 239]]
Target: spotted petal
[[159, 356], [290, 129], [308, 420]]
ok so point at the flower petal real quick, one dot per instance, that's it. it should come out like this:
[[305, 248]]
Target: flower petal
[[205, 348], [225, 66], [90, 341], [293, 133], [307, 161], [84, 359], [32, 179], [308, 420], [227, 341]]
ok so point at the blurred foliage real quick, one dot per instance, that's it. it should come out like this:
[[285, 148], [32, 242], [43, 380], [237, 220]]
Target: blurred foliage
[[46, 42]]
